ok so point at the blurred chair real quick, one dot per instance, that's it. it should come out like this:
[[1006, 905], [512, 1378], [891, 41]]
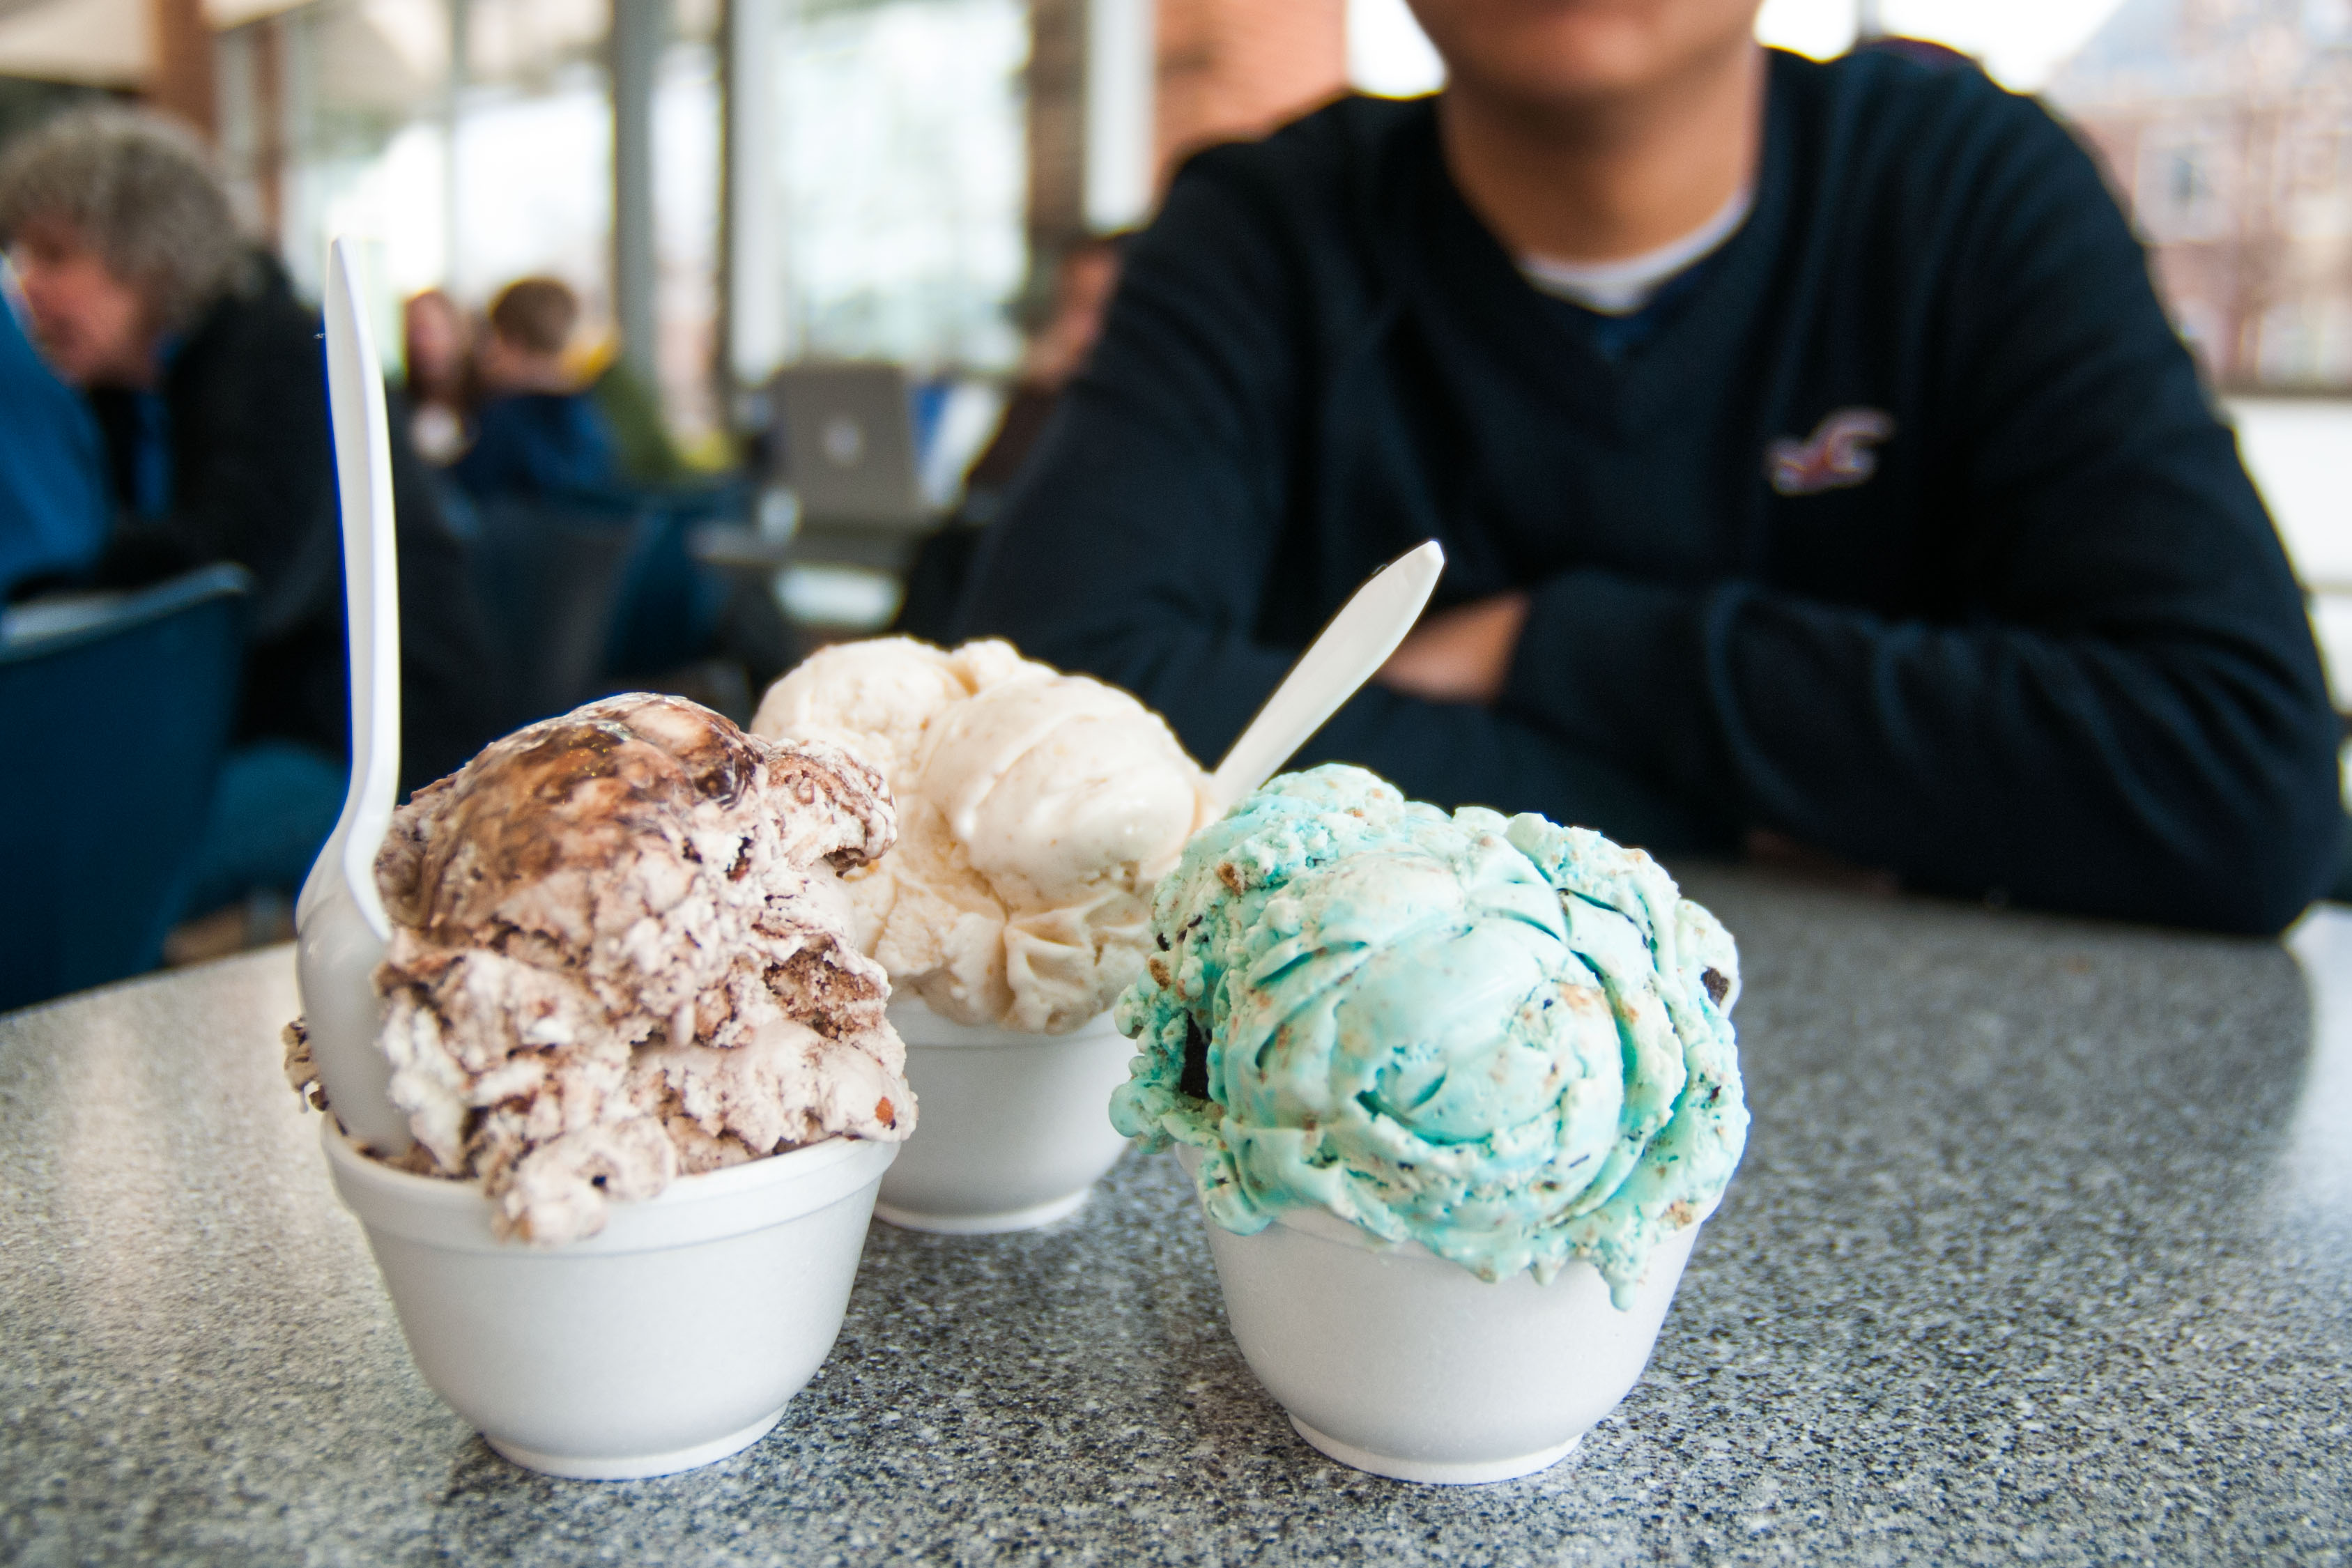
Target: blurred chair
[[670, 604], [548, 579], [121, 713], [591, 593]]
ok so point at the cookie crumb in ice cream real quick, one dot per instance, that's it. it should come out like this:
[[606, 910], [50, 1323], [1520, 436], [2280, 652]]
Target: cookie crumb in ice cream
[[302, 1068]]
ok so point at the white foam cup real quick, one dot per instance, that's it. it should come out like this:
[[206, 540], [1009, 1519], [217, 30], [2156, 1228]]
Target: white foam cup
[[1013, 1129], [1395, 1361], [671, 1338]]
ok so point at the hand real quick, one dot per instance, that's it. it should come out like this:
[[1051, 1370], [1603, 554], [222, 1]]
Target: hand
[[1461, 656]]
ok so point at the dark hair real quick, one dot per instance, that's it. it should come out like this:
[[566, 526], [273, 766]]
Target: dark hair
[[1919, 52], [143, 194], [536, 313]]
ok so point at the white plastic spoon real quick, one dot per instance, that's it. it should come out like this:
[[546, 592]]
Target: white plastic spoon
[[339, 925], [1349, 652]]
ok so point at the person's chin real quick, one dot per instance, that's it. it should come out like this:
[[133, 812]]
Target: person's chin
[[1568, 54]]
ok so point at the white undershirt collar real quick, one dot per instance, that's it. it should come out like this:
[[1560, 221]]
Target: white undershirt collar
[[1622, 287]]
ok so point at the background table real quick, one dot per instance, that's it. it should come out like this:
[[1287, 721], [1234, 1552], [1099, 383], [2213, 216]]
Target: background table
[[2042, 1248]]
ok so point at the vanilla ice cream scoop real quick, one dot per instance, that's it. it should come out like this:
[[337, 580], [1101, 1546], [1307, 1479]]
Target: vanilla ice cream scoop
[[1039, 810]]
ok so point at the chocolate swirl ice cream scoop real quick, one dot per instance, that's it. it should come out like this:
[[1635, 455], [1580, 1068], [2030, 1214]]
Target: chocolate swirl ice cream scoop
[[599, 788], [620, 951]]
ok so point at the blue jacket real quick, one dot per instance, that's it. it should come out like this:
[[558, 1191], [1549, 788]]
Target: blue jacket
[[54, 505], [1910, 534], [538, 444]]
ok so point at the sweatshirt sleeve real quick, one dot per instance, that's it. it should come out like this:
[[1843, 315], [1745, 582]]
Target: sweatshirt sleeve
[[1142, 542], [2131, 720]]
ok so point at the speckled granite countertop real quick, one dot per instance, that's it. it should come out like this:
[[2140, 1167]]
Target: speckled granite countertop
[[2042, 1249]]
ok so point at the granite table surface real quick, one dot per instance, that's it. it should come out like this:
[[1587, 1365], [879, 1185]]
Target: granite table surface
[[2041, 1251]]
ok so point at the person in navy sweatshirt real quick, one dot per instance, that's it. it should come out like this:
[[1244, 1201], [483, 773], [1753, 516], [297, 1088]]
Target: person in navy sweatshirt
[[537, 435], [1814, 461]]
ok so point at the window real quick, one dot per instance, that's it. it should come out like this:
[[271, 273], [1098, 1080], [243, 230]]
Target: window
[[898, 181]]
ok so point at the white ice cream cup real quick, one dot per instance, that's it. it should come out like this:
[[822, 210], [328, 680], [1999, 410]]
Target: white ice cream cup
[[671, 1338], [1011, 1129], [1395, 1361]]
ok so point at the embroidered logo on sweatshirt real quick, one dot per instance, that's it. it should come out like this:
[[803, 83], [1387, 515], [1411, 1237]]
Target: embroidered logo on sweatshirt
[[1835, 457]]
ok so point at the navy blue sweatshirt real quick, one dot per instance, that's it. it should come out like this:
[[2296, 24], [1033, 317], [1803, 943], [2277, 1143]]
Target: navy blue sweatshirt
[[1909, 534], [538, 444]]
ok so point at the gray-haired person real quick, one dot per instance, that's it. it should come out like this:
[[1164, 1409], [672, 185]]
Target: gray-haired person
[[208, 380]]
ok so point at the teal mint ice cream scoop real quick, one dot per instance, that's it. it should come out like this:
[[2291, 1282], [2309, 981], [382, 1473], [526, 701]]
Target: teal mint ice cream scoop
[[1506, 1040]]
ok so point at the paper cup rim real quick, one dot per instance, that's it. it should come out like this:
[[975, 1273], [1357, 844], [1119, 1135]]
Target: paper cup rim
[[456, 1216]]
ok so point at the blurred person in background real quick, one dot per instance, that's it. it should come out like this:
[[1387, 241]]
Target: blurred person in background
[[54, 506], [1083, 285], [537, 433], [208, 382], [1084, 282], [1814, 462], [437, 348]]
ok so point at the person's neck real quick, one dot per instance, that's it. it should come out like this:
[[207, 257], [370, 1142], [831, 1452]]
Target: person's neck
[[1608, 179]]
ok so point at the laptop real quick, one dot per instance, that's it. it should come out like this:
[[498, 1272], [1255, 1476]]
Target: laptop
[[848, 446]]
